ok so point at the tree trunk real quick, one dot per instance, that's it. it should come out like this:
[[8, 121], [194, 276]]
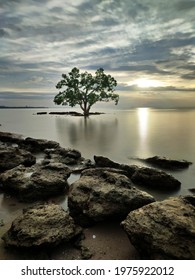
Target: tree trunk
[[86, 109], [86, 112]]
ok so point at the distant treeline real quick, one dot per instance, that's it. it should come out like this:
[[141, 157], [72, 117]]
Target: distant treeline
[[22, 107]]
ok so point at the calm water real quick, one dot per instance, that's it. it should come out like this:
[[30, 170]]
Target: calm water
[[119, 135]]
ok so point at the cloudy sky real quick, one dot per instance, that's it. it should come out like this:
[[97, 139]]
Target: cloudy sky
[[147, 45]]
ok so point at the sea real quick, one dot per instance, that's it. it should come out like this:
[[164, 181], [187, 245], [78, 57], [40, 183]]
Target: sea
[[124, 136]]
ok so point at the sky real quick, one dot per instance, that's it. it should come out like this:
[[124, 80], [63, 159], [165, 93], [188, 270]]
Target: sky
[[148, 46]]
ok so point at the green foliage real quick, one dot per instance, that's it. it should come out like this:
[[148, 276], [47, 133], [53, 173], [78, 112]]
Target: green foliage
[[85, 90]]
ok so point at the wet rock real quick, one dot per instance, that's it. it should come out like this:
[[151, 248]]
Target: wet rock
[[70, 157], [71, 113], [147, 177], [192, 190], [106, 162], [101, 161], [62, 154], [66, 156], [167, 163], [36, 183], [71, 153], [164, 230], [1, 223], [39, 145], [41, 113], [103, 194], [74, 113], [153, 178], [86, 254], [41, 226], [11, 137], [11, 157]]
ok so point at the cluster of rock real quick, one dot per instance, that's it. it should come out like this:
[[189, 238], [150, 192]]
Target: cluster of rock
[[21, 176], [145, 176], [70, 113], [106, 190]]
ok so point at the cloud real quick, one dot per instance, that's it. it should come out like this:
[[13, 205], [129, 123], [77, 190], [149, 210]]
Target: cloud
[[128, 38], [185, 5]]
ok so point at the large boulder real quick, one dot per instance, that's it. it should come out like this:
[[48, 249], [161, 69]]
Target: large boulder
[[164, 230], [37, 182], [11, 157], [144, 176], [43, 225], [167, 163], [101, 194]]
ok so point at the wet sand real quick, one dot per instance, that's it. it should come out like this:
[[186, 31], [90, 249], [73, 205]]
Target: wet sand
[[108, 241]]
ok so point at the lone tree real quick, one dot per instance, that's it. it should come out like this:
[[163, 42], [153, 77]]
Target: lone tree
[[85, 90]]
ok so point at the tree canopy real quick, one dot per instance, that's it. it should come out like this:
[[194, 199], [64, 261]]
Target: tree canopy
[[85, 90]]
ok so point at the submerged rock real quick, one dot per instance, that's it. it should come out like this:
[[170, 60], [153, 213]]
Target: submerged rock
[[36, 183], [101, 194], [164, 230], [167, 163], [43, 225]]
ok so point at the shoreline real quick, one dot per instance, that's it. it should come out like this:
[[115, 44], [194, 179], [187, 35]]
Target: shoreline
[[101, 241]]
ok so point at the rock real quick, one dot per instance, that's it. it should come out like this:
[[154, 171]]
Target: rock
[[71, 153], [41, 113], [39, 145], [70, 157], [74, 113], [147, 177], [36, 183], [11, 157], [167, 163], [192, 190], [164, 230], [10, 137], [106, 162], [41, 226], [61, 153], [101, 194], [1, 223], [153, 178], [101, 161], [86, 254], [71, 113]]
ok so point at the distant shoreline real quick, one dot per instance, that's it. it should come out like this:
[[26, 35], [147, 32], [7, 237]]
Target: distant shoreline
[[132, 108], [23, 107]]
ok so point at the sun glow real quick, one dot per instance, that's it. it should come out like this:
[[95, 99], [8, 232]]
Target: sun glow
[[143, 122], [143, 83]]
